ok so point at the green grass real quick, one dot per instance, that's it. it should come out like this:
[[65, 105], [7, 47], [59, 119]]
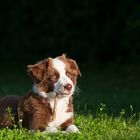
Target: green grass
[[118, 88], [102, 127]]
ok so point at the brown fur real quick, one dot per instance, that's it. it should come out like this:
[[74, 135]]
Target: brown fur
[[34, 110], [6, 119], [71, 68], [44, 75]]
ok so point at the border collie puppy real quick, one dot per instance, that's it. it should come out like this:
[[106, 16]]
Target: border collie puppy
[[49, 106]]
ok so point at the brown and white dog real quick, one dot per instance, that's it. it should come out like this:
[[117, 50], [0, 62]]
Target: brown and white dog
[[48, 106]]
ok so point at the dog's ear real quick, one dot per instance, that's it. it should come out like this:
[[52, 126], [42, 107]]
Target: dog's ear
[[71, 62], [64, 55], [78, 70], [75, 66], [38, 70]]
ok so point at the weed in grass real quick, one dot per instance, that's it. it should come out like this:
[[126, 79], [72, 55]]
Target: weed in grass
[[9, 110]]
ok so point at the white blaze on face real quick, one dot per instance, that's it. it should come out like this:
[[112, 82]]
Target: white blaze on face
[[63, 79]]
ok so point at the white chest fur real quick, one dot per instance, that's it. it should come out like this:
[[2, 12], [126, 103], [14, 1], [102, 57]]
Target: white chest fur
[[61, 111]]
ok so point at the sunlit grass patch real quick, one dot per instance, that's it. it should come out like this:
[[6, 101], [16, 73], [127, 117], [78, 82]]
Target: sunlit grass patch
[[101, 126]]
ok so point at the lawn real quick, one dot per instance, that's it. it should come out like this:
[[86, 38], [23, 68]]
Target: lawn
[[107, 103], [101, 127]]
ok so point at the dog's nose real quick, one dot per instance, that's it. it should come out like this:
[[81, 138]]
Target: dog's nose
[[68, 87]]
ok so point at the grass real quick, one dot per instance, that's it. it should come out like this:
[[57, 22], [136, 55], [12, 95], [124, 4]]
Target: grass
[[102, 127], [116, 118]]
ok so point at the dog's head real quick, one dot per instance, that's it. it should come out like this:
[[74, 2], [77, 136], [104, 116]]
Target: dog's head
[[58, 75]]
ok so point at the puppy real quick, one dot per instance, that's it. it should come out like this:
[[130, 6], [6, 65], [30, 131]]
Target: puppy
[[48, 106]]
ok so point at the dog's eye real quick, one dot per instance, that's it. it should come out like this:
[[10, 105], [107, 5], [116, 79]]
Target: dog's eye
[[52, 77], [68, 74]]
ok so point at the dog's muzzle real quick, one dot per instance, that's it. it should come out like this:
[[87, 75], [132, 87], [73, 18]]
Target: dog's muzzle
[[63, 89]]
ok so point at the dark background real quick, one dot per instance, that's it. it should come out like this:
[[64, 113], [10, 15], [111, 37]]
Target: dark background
[[102, 35]]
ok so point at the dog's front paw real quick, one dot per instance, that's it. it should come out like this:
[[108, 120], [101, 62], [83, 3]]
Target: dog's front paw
[[50, 130], [72, 129]]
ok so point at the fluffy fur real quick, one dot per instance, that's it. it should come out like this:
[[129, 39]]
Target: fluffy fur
[[54, 84]]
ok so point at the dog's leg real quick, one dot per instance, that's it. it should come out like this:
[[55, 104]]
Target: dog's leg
[[69, 126], [72, 129], [50, 130]]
